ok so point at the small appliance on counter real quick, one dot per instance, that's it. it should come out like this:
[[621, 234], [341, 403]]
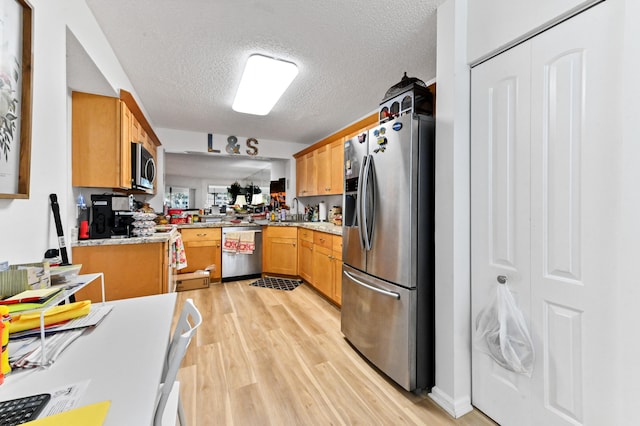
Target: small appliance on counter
[[122, 223], [111, 215]]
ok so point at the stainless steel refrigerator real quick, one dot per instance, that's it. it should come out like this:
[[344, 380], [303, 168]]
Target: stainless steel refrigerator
[[388, 248]]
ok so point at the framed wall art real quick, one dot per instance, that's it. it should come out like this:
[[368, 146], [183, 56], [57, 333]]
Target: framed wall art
[[15, 98]]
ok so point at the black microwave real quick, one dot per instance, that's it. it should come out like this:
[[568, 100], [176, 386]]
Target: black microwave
[[143, 167]]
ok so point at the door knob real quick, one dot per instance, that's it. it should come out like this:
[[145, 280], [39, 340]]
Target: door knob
[[502, 279]]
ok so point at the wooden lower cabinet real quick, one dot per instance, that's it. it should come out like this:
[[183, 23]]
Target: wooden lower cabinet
[[320, 262], [280, 250], [305, 260], [323, 270], [305, 254], [337, 269], [130, 270], [203, 250]]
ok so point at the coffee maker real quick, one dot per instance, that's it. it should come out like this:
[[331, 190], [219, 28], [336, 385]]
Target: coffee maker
[[111, 215]]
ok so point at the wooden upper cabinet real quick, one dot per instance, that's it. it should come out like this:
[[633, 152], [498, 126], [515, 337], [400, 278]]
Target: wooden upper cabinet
[[135, 130], [125, 152], [306, 175], [337, 166], [323, 169], [319, 168], [329, 161], [301, 176], [102, 131], [99, 152]]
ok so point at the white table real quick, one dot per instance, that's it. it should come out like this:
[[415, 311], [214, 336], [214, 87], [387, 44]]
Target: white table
[[123, 357]]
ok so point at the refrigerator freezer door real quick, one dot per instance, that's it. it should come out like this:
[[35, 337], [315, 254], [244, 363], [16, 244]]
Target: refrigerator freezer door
[[355, 152], [379, 320], [393, 149]]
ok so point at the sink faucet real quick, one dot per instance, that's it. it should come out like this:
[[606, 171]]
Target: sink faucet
[[295, 199]]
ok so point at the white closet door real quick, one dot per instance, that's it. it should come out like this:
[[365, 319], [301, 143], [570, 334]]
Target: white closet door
[[500, 171], [574, 180], [564, 243]]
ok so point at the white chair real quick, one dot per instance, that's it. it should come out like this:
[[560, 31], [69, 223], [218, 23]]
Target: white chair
[[190, 319]]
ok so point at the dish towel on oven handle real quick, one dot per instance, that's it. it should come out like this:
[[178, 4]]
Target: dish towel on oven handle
[[247, 242], [178, 255], [231, 242]]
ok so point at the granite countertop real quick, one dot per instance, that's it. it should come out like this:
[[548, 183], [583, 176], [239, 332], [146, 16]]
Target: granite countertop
[[158, 237], [327, 227], [161, 237], [316, 226]]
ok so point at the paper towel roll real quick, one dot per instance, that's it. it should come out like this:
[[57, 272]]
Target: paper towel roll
[[322, 213]]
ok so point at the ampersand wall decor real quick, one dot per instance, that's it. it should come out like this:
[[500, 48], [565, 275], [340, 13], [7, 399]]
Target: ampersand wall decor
[[232, 145]]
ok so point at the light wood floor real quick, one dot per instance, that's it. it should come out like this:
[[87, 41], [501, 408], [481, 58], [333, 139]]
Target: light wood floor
[[272, 357]]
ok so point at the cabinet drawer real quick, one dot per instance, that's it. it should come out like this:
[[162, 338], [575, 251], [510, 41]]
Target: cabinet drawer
[[323, 240], [201, 234], [203, 243], [281, 232], [305, 234]]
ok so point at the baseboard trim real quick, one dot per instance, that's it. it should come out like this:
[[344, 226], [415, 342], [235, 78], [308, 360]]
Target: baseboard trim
[[455, 408]]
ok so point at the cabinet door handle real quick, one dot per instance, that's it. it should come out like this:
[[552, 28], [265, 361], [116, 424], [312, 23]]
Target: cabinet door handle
[[201, 235]]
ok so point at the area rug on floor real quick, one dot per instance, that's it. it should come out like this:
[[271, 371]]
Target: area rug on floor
[[277, 283]]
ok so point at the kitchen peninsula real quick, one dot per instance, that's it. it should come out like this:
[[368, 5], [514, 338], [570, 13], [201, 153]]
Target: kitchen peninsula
[[132, 267], [141, 266]]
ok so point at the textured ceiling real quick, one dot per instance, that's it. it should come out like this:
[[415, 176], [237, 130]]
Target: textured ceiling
[[185, 59]]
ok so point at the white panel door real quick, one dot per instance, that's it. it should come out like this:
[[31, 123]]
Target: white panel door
[[500, 228], [564, 240], [574, 180]]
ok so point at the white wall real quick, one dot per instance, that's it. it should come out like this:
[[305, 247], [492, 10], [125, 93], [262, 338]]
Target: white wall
[[27, 228], [496, 24], [453, 304], [174, 140]]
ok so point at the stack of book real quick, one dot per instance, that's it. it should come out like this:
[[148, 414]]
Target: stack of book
[[30, 299]]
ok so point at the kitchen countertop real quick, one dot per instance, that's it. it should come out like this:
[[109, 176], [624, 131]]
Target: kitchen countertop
[[316, 226], [161, 237], [158, 237]]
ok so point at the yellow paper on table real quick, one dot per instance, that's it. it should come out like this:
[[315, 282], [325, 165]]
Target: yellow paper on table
[[89, 415], [21, 322]]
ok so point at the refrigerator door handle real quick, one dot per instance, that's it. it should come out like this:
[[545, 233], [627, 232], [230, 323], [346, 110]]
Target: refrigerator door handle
[[360, 206], [372, 288], [367, 219]]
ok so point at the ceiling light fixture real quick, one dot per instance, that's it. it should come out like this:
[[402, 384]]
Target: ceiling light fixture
[[263, 82]]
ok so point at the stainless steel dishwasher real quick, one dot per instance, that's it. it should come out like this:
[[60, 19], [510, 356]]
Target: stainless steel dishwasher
[[237, 265]]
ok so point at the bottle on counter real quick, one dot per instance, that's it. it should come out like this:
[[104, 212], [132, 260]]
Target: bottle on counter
[[83, 219]]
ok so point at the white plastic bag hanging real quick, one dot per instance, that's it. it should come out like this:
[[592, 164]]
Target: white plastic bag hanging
[[502, 333]]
